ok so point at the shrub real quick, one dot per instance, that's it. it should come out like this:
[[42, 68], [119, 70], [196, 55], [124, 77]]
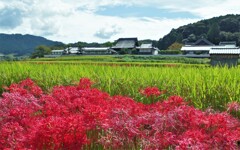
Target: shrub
[[170, 52]]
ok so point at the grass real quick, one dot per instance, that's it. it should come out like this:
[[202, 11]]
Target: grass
[[202, 86]]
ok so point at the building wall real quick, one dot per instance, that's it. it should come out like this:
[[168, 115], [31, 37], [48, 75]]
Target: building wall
[[148, 52], [57, 53], [96, 53]]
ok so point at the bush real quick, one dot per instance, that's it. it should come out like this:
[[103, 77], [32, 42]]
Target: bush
[[170, 52]]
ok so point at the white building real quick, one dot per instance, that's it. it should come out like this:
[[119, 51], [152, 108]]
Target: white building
[[98, 51], [71, 50], [147, 49], [57, 52], [203, 46]]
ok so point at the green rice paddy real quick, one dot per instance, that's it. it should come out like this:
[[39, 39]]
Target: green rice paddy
[[201, 85]]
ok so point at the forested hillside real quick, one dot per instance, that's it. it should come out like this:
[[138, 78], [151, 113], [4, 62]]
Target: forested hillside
[[223, 28], [22, 44]]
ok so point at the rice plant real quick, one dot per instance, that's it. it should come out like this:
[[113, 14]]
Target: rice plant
[[203, 87]]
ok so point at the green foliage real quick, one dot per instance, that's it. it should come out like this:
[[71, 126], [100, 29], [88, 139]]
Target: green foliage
[[142, 60], [9, 57], [57, 47], [213, 33], [170, 52], [85, 44], [192, 38], [228, 36], [175, 46], [222, 28], [125, 51], [229, 25], [40, 51], [107, 44], [168, 39]]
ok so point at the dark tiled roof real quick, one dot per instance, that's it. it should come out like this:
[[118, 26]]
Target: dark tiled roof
[[228, 43], [126, 43], [203, 41]]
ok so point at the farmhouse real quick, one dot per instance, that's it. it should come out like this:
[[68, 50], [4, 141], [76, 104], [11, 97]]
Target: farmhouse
[[228, 43], [2, 57], [126, 45], [71, 50], [122, 46], [227, 56], [203, 46], [97, 51], [57, 52], [200, 46], [147, 49]]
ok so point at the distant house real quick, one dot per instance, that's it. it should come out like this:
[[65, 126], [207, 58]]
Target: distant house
[[147, 49], [203, 46], [126, 44], [97, 51], [57, 52], [200, 46], [228, 43], [71, 50], [2, 57], [227, 56], [203, 42]]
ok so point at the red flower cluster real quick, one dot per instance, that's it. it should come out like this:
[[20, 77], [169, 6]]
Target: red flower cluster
[[79, 117], [151, 92], [233, 106]]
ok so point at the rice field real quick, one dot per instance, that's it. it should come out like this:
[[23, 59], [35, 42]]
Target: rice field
[[202, 87]]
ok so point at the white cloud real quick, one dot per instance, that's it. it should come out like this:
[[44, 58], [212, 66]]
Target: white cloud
[[75, 20], [221, 7], [90, 24], [107, 32]]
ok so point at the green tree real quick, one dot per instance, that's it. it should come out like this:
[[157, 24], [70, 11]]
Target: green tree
[[213, 33], [175, 46], [40, 51], [229, 25], [192, 38], [80, 48], [107, 44], [10, 57]]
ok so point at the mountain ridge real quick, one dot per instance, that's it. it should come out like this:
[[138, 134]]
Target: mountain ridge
[[216, 29], [22, 44]]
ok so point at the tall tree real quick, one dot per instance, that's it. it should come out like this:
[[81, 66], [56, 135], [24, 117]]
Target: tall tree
[[40, 51], [213, 33]]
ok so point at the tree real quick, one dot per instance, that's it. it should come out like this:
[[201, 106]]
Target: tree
[[107, 44], [230, 25], [80, 48], [40, 51], [175, 46], [192, 38], [213, 33]]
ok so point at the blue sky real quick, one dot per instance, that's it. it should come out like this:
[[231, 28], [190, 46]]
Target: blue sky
[[143, 11], [106, 20]]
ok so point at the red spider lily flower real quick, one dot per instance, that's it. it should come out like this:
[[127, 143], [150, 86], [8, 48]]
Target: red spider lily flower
[[81, 117], [151, 91], [85, 83], [233, 106]]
